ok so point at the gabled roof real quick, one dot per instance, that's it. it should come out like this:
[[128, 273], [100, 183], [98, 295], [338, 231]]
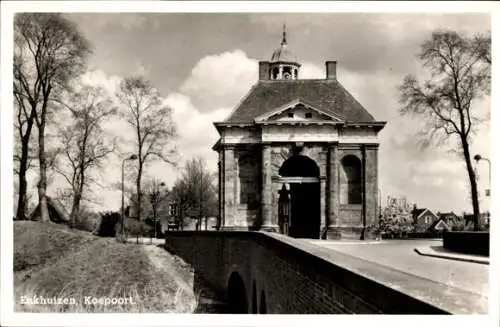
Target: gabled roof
[[439, 223], [326, 95], [420, 212], [277, 111], [448, 216], [57, 213]]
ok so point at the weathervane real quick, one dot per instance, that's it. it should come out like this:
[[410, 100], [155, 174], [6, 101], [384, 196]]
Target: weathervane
[[283, 42]]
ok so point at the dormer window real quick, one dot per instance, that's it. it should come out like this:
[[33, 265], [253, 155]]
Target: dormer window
[[290, 115], [309, 115]]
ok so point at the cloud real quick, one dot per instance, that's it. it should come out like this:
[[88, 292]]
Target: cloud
[[311, 71], [197, 134], [98, 77], [220, 80], [365, 42]]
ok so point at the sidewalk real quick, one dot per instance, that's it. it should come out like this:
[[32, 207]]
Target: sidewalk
[[441, 252]]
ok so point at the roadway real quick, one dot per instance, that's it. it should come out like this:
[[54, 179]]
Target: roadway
[[401, 255]]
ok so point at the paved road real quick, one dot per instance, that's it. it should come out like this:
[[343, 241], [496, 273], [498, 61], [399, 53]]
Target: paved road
[[400, 255], [146, 240]]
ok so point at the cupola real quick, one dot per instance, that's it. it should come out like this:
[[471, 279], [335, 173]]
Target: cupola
[[283, 64]]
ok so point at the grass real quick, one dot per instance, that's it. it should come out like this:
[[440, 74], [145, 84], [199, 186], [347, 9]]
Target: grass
[[41, 243], [51, 261]]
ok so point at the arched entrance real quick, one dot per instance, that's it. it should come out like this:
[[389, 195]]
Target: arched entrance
[[302, 174], [236, 294]]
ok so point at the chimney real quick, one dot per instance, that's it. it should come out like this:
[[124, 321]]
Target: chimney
[[331, 69], [263, 70]]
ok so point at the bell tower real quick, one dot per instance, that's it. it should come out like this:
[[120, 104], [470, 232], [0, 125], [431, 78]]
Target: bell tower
[[283, 64]]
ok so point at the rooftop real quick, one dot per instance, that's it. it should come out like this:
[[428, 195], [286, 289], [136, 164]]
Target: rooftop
[[327, 95]]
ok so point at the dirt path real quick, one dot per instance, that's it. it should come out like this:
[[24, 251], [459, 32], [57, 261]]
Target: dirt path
[[172, 266], [204, 301]]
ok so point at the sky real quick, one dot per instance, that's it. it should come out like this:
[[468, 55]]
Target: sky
[[204, 63]]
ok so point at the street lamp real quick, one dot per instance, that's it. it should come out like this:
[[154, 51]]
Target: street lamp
[[132, 157], [478, 157]]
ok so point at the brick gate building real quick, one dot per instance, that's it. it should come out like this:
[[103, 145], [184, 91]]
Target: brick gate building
[[298, 156]]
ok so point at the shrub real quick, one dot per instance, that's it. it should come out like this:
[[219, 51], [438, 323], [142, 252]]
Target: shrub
[[136, 227], [107, 227], [87, 221]]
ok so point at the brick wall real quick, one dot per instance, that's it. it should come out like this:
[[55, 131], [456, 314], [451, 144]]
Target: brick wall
[[296, 277]]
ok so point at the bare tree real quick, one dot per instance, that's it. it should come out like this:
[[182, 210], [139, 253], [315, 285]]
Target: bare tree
[[85, 145], [49, 51], [482, 43], [23, 153], [181, 200], [156, 192], [460, 74], [152, 124], [196, 190]]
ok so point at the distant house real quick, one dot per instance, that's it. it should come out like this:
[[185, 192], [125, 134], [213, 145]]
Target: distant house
[[449, 218], [423, 218], [439, 225], [57, 213]]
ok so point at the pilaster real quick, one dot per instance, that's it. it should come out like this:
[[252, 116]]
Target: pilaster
[[266, 198], [333, 185], [323, 199], [229, 185], [371, 185]]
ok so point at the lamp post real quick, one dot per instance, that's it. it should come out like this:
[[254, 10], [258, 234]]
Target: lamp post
[[478, 157], [132, 157]]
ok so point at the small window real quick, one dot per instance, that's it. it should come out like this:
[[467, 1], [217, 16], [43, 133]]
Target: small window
[[309, 115], [290, 115], [173, 209]]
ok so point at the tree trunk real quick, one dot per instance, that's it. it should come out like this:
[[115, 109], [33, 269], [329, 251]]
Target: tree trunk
[[23, 184], [75, 208], [42, 184], [23, 168], [139, 198], [21, 200], [473, 183]]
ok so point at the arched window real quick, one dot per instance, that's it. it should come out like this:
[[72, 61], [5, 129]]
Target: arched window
[[275, 73], [287, 72], [351, 190]]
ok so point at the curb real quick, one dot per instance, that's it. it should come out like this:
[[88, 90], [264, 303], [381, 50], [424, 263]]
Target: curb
[[444, 256]]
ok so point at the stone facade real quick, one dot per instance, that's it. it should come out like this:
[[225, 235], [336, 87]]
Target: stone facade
[[288, 133], [250, 185]]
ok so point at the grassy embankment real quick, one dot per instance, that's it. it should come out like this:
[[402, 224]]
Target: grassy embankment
[[54, 261]]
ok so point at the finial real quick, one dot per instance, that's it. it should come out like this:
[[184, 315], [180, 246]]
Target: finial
[[284, 35]]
